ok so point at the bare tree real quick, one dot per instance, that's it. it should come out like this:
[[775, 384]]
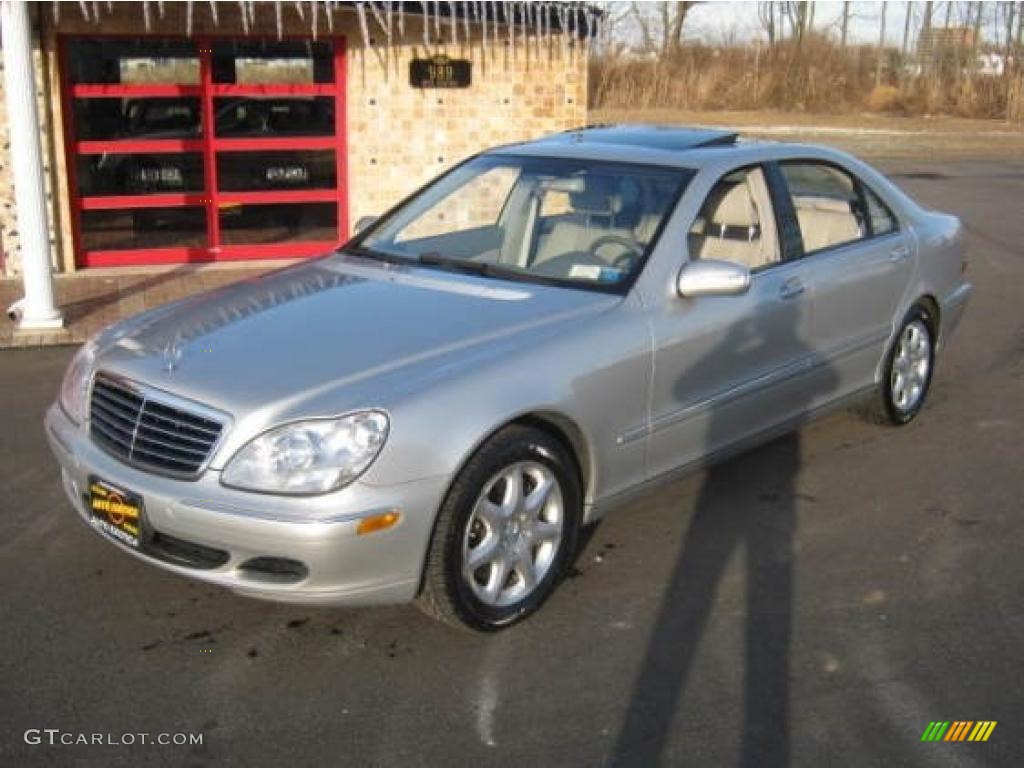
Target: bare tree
[[906, 29], [766, 13], [881, 44], [1009, 11], [844, 24], [675, 20]]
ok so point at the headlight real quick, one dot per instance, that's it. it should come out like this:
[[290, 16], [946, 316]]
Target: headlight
[[74, 387], [308, 457]]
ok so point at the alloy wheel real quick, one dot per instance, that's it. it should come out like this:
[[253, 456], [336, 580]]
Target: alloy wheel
[[513, 534]]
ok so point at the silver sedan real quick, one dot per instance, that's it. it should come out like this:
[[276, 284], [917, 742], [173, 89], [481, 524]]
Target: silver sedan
[[433, 412]]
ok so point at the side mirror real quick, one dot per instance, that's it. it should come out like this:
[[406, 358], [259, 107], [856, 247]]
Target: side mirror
[[708, 277], [363, 223]]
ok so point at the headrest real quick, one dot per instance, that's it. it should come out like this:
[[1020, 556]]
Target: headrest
[[819, 203], [735, 208], [597, 198]]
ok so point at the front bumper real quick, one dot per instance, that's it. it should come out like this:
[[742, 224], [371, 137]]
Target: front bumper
[[339, 566]]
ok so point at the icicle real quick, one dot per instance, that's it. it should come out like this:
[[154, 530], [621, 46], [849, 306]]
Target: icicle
[[244, 14], [84, 9], [329, 13], [363, 27], [509, 22], [377, 17], [466, 10], [314, 6], [56, 11], [526, 23], [426, 23], [298, 10], [278, 20], [387, 17], [454, 22], [213, 12], [145, 14], [563, 20], [401, 20], [188, 18], [536, 21], [160, 8], [437, 20], [482, 14]]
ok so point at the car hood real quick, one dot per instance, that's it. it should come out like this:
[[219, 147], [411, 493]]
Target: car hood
[[284, 338]]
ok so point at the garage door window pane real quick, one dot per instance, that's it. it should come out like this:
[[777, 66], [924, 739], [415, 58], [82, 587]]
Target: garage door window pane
[[140, 174], [132, 118], [144, 228], [149, 60], [273, 62], [278, 223], [303, 169], [245, 117]]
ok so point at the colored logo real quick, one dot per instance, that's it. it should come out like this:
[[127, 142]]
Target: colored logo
[[959, 730]]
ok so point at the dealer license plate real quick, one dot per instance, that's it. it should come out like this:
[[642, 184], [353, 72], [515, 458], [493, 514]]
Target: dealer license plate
[[115, 511]]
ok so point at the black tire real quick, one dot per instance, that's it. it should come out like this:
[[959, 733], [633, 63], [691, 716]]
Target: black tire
[[446, 595], [882, 407]]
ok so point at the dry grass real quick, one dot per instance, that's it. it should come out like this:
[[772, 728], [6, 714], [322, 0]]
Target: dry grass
[[817, 76]]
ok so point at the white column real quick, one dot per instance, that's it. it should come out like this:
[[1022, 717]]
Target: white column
[[38, 310]]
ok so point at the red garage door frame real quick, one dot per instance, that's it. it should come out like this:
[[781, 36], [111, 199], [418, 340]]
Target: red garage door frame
[[212, 199]]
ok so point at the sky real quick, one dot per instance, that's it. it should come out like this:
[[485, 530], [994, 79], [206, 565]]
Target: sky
[[720, 20]]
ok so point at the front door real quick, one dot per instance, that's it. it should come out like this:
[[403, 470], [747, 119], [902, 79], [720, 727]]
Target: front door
[[729, 367], [204, 149]]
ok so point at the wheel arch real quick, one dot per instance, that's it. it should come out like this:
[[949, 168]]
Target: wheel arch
[[557, 425]]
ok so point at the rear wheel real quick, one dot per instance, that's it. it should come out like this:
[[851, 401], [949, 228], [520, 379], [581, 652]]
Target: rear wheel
[[505, 532], [908, 371]]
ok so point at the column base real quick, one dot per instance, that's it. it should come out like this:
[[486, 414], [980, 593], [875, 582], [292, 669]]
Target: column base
[[41, 324]]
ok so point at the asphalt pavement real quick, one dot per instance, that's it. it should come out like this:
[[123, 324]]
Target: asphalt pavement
[[817, 601]]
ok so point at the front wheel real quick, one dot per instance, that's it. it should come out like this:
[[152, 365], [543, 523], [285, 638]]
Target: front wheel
[[505, 532], [908, 370]]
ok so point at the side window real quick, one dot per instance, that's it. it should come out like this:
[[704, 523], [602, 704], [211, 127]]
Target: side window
[[881, 219], [736, 222], [827, 204]]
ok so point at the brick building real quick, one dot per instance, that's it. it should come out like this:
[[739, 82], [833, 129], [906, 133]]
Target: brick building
[[188, 132]]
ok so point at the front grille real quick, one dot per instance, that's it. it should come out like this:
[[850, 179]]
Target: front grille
[[147, 430]]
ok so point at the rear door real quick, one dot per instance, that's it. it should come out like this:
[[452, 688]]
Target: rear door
[[858, 262]]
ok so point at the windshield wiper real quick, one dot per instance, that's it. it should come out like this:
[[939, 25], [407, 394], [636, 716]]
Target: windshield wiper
[[373, 253], [435, 259]]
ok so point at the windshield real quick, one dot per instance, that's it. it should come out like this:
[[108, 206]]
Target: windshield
[[576, 222]]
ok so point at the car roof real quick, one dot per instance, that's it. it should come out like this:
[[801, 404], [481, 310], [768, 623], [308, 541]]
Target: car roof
[[640, 135], [670, 146]]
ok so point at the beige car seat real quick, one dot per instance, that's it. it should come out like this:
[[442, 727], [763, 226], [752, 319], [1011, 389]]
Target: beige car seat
[[593, 216], [825, 221], [731, 229]]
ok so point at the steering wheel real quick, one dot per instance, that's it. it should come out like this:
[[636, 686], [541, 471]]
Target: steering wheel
[[624, 260]]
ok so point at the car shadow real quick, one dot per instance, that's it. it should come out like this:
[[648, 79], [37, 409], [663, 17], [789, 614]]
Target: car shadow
[[748, 505]]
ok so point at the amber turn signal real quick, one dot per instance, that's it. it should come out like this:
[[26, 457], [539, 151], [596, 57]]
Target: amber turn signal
[[380, 522]]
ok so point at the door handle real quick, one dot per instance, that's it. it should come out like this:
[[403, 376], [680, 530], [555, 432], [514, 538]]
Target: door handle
[[791, 289], [899, 253]]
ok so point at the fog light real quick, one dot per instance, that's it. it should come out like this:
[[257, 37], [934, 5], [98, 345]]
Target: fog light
[[379, 522]]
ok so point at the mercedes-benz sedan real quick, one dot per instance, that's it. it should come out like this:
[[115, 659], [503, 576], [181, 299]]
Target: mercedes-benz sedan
[[432, 412]]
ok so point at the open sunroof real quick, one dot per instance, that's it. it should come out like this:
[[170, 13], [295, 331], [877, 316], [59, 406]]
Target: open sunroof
[[649, 136]]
